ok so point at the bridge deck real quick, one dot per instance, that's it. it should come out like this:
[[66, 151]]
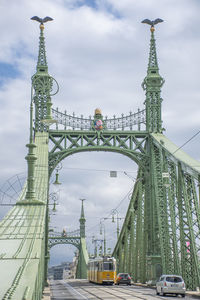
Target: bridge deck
[[22, 235]]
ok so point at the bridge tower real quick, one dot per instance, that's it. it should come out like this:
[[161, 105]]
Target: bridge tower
[[83, 254], [82, 221], [161, 233], [152, 85]]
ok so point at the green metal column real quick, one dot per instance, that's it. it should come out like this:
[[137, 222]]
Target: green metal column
[[82, 221], [83, 254], [152, 85], [132, 229], [42, 84], [125, 252], [175, 267]]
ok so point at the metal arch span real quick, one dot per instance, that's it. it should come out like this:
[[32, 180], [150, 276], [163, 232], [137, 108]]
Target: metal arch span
[[53, 241], [65, 143]]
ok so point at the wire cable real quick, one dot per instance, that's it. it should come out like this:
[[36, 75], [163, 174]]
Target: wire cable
[[187, 141]]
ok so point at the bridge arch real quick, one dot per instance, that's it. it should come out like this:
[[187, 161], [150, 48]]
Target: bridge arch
[[136, 153], [53, 241]]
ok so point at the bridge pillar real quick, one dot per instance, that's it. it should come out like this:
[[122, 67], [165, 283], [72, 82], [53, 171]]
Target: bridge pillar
[[81, 272], [154, 268], [83, 254]]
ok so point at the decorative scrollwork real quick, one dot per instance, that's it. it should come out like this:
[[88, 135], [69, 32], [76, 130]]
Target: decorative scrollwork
[[80, 123]]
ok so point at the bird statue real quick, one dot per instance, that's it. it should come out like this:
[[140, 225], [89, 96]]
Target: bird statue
[[152, 23], [40, 20]]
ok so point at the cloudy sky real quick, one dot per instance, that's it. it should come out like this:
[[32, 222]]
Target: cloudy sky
[[97, 50]]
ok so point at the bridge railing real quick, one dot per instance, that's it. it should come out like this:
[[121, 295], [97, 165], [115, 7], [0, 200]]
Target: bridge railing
[[127, 122], [75, 233]]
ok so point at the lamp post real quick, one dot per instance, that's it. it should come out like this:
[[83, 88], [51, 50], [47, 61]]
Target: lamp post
[[95, 242], [115, 212], [102, 225], [58, 168], [53, 197]]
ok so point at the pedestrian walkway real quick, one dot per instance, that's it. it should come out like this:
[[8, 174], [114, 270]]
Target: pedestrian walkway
[[46, 293]]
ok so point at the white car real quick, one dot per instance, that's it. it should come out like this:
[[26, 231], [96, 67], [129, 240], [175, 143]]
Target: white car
[[170, 284]]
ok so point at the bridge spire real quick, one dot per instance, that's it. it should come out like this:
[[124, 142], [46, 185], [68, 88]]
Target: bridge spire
[[152, 85], [42, 60], [82, 221], [42, 84]]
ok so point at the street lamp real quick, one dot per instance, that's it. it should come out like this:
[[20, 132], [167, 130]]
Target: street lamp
[[95, 242], [53, 197], [104, 235], [115, 212], [59, 167]]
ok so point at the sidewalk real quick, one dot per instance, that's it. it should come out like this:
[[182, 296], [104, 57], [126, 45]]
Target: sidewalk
[[46, 293]]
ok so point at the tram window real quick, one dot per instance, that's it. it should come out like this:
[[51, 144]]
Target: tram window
[[101, 268], [108, 266]]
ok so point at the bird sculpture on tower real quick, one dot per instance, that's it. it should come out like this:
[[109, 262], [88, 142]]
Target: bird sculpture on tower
[[40, 20], [152, 23]]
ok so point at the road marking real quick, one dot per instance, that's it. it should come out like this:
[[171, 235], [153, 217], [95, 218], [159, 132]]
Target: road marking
[[72, 290]]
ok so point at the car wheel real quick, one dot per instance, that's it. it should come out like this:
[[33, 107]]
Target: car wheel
[[163, 294], [157, 292], [183, 295]]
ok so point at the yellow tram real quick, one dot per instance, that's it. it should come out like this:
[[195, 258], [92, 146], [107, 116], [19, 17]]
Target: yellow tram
[[102, 270]]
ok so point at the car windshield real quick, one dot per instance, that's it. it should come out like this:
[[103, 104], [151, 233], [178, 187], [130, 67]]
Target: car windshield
[[123, 275], [173, 279]]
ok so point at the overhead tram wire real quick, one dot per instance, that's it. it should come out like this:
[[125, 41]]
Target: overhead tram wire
[[110, 213], [187, 142], [100, 170]]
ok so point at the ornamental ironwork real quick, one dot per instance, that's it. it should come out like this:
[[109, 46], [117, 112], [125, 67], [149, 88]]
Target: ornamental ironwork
[[128, 122]]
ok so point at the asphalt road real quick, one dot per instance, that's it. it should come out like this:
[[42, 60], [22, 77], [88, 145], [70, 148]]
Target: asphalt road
[[74, 289]]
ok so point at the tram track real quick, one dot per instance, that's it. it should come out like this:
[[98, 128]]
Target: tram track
[[75, 289], [92, 291]]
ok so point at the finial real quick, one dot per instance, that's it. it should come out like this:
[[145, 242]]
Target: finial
[[152, 23], [97, 111], [82, 209], [42, 21]]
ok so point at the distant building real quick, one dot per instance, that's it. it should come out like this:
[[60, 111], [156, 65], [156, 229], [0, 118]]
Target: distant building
[[59, 272]]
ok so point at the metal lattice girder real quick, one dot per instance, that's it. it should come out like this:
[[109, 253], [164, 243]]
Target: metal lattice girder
[[162, 224], [75, 241], [127, 241], [189, 229], [23, 238], [64, 143]]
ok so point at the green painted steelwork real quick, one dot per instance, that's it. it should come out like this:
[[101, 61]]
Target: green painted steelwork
[[22, 236], [161, 231]]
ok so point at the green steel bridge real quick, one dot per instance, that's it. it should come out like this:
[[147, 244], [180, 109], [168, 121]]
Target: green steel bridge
[[161, 231]]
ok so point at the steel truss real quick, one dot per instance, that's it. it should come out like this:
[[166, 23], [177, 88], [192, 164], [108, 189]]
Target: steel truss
[[161, 231], [64, 143]]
